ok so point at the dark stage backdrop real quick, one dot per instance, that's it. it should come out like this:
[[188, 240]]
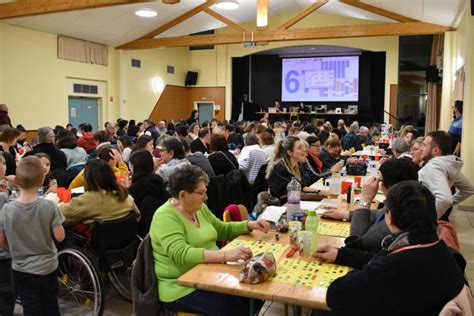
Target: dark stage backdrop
[[266, 86]]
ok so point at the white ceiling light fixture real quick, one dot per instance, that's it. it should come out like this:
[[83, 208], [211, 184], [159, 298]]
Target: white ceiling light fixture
[[146, 13], [227, 4]]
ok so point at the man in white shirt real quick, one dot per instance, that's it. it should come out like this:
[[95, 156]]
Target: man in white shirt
[[443, 171]]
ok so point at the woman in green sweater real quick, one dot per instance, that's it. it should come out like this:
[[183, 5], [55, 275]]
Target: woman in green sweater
[[183, 234]]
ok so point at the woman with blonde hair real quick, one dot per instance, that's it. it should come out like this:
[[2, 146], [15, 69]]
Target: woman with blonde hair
[[286, 163], [417, 151]]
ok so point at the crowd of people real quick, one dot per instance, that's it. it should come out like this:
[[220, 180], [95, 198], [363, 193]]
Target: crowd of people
[[162, 173]]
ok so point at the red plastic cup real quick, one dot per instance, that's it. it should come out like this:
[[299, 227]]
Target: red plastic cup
[[364, 157], [377, 157], [345, 186], [358, 181]]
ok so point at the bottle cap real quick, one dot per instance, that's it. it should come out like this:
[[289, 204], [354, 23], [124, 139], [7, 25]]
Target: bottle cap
[[311, 213]]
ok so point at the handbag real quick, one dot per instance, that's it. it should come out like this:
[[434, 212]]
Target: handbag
[[356, 169], [258, 268]]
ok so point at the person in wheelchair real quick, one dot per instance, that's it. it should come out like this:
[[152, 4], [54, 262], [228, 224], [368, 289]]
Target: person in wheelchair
[[183, 234], [104, 199]]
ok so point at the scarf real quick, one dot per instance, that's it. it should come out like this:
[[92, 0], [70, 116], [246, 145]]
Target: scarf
[[403, 239], [316, 160]]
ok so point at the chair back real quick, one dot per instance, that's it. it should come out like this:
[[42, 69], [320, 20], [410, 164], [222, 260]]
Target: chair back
[[244, 214], [115, 242]]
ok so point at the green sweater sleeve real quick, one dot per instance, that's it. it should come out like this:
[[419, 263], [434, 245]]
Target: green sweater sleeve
[[170, 231], [225, 231]]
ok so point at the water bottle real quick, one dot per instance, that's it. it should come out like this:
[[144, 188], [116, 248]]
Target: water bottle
[[294, 197], [13, 196], [311, 225]]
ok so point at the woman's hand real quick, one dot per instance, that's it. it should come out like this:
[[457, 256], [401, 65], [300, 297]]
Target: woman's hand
[[116, 156], [335, 214], [239, 253], [326, 253], [260, 225]]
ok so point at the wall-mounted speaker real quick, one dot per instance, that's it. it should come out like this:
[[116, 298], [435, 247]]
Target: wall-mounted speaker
[[191, 78], [432, 74]]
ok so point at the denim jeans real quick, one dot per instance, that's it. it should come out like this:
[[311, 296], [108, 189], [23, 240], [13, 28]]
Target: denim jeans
[[38, 293], [211, 303]]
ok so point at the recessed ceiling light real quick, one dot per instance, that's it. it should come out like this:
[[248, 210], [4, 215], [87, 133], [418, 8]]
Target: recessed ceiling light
[[146, 13], [227, 4]]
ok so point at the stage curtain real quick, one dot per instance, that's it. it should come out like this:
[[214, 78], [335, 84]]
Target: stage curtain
[[82, 51]]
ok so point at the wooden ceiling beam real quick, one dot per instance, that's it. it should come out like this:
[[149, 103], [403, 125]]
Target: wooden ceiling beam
[[227, 21], [368, 30], [180, 19], [302, 14], [22, 8], [378, 11], [170, 1]]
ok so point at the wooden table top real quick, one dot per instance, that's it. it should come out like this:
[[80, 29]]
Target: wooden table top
[[224, 278]]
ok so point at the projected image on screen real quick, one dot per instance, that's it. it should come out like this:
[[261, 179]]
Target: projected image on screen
[[323, 79]]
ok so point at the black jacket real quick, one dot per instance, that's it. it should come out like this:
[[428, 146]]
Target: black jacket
[[149, 194], [197, 145], [280, 177], [416, 281], [327, 160], [223, 162], [58, 158]]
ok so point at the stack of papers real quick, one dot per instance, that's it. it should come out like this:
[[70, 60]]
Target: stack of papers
[[273, 213], [309, 205]]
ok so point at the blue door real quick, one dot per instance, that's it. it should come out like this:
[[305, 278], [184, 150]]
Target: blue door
[[83, 110], [206, 112]]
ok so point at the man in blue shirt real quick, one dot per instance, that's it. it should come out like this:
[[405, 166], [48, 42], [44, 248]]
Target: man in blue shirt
[[455, 130]]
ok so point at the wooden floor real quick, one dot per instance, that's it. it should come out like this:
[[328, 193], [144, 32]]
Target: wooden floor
[[463, 220]]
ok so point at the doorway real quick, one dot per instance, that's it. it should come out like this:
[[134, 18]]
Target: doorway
[[206, 111], [84, 110]]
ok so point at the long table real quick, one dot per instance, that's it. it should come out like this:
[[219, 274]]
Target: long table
[[224, 278]]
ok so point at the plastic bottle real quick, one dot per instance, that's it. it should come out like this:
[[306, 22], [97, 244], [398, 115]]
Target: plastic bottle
[[13, 196], [294, 197], [311, 225]]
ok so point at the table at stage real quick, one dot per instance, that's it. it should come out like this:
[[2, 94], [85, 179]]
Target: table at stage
[[310, 114], [224, 278]]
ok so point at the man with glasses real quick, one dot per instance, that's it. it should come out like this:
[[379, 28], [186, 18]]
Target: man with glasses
[[46, 139]]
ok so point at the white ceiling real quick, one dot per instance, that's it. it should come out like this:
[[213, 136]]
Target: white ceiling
[[118, 25]]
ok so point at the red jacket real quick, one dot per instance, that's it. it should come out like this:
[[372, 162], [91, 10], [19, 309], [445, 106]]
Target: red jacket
[[87, 142]]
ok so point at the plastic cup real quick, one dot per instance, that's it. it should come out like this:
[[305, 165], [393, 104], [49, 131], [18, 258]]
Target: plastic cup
[[345, 186], [335, 185], [304, 243], [358, 181], [293, 228]]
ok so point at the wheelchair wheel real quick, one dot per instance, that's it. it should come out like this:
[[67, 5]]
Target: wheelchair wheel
[[80, 286], [121, 281]]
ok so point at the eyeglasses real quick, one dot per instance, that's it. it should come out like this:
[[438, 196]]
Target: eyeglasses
[[316, 145], [200, 193]]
